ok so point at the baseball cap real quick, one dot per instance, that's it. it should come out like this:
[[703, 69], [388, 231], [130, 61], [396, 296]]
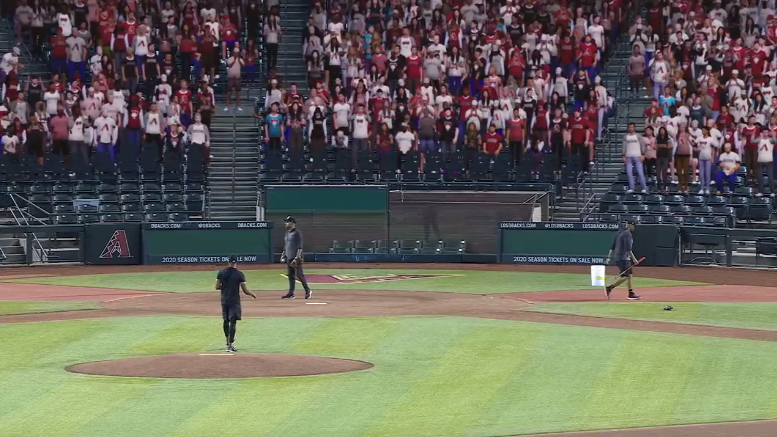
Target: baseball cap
[[16, 51], [289, 219], [232, 258]]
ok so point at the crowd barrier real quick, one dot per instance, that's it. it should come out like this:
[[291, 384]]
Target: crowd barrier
[[516, 242]]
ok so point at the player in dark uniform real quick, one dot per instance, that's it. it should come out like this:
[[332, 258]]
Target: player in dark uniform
[[292, 256], [231, 281], [624, 259]]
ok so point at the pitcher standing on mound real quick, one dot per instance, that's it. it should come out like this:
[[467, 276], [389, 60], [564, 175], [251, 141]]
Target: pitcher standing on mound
[[231, 281], [292, 256]]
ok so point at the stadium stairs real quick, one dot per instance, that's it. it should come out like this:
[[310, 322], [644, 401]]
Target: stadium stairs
[[576, 205], [235, 139], [291, 65], [32, 66]]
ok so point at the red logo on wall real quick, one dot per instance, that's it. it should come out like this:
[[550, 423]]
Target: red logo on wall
[[117, 245]]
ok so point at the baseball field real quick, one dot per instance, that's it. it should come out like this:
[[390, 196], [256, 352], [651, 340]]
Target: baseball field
[[388, 350]]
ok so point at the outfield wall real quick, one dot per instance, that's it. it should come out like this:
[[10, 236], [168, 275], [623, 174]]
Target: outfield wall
[[521, 242]]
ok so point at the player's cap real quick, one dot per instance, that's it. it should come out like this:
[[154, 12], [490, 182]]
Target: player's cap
[[289, 219], [232, 258]]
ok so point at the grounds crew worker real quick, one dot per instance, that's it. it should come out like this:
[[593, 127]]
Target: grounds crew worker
[[292, 256]]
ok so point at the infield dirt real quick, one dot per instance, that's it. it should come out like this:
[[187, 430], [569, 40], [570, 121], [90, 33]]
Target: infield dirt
[[731, 285]]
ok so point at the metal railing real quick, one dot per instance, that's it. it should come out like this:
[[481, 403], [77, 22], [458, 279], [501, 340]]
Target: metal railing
[[43, 254]]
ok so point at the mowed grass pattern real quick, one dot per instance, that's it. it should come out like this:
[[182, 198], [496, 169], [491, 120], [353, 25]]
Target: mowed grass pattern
[[760, 315], [10, 307], [433, 376], [484, 282]]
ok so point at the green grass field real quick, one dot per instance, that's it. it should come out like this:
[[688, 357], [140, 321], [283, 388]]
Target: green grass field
[[761, 315], [433, 376], [9, 307], [464, 281], [461, 377]]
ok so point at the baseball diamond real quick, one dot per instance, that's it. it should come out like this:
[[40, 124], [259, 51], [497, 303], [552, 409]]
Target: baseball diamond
[[389, 350]]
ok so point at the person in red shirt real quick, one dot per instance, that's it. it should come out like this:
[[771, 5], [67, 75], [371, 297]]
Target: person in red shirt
[[413, 68], [133, 125], [229, 37], [58, 53], [752, 138], [516, 128], [131, 28], [580, 132], [516, 66], [492, 141], [185, 100], [758, 60], [587, 57], [464, 102], [725, 120], [566, 54], [208, 51]]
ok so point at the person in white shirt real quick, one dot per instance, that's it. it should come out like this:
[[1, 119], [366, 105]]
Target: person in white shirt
[[9, 61], [95, 62], [406, 140], [342, 114], [728, 164], [766, 163], [51, 98], [406, 43], [360, 134], [162, 94], [64, 23], [75, 138], [198, 133], [706, 149], [105, 134], [153, 128], [76, 56], [633, 150], [659, 72], [596, 30]]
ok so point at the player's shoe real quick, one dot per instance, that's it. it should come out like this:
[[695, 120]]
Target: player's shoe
[[633, 296], [231, 348], [309, 294], [288, 296], [607, 291]]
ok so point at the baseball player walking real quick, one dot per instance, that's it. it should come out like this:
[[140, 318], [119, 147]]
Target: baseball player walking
[[624, 259], [292, 256], [230, 281]]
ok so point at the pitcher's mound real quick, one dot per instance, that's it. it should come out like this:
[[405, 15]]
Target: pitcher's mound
[[220, 365]]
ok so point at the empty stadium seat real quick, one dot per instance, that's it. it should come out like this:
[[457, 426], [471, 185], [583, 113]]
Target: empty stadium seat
[[660, 209], [759, 208], [133, 217], [179, 217], [157, 217], [637, 208], [111, 218], [632, 198], [653, 219], [89, 218], [674, 199]]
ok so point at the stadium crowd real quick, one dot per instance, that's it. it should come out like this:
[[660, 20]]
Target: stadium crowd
[[130, 75], [513, 77], [711, 71]]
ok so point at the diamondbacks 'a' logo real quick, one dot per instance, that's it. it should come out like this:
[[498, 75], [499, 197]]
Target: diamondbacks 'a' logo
[[356, 279], [117, 246]]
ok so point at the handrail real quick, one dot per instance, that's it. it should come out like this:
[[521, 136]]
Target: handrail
[[234, 157], [42, 253]]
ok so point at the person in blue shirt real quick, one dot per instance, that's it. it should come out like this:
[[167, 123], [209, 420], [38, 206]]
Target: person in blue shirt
[[273, 128], [667, 101]]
